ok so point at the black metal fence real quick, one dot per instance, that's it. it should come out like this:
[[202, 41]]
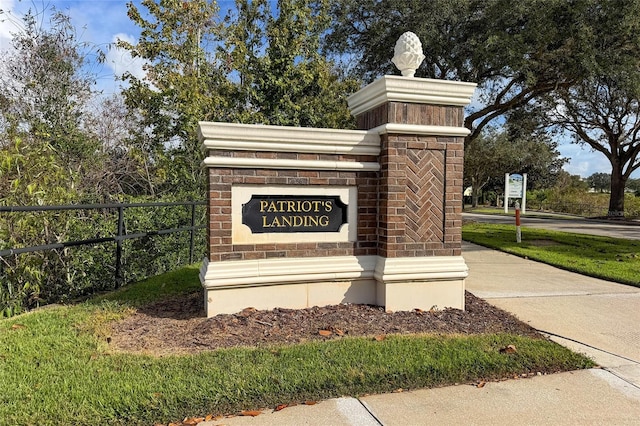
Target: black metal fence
[[108, 225]]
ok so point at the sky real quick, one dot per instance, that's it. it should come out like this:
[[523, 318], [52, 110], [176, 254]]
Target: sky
[[103, 22]]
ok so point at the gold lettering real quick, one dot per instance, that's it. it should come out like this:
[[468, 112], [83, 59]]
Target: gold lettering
[[286, 220], [263, 205], [264, 222], [324, 220], [297, 221], [312, 221], [291, 206], [328, 206]]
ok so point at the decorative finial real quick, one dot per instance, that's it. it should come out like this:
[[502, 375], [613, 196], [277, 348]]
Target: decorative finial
[[408, 54]]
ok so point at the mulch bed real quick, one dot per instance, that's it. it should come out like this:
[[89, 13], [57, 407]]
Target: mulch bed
[[179, 325]]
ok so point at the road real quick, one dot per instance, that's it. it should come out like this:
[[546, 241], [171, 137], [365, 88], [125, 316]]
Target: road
[[575, 225]]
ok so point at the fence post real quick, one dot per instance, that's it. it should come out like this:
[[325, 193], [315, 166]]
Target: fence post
[[119, 275], [192, 232]]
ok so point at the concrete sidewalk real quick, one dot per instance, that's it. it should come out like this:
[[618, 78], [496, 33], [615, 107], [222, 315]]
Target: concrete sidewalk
[[595, 317]]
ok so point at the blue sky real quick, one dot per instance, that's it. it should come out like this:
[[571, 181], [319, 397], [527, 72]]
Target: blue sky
[[104, 21]]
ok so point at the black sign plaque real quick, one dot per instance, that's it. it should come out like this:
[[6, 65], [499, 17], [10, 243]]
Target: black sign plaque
[[294, 213]]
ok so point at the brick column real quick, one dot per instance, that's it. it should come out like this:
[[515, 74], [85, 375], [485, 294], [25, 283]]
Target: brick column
[[420, 122]]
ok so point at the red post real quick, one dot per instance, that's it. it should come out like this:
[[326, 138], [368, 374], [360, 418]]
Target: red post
[[518, 232]]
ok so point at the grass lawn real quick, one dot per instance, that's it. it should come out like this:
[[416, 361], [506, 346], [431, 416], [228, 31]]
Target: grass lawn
[[56, 367], [612, 259]]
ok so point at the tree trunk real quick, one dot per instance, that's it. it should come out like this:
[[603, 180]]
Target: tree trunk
[[475, 193], [616, 200]]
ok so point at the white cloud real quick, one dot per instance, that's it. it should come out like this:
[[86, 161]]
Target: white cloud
[[10, 22], [120, 61], [583, 161]]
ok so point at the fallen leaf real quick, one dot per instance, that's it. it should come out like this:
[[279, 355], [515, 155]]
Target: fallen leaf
[[339, 332], [510, 349], [379, 337], [281, 407], [310, 402], [399, 390], [250, 413], [18, 326], [481, 384], [325, 333], [192, 421], [209, 417]]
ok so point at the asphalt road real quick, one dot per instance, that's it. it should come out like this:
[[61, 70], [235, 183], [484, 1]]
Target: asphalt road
[[576, 225]]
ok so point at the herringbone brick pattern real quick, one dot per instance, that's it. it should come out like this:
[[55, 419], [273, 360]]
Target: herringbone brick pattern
[[425, 196]]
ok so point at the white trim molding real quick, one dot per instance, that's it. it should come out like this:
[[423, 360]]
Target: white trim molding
[[391, 88], [421, 130], [396, 283], [253, 137], [283, 164], [404, 269], [253, 273]]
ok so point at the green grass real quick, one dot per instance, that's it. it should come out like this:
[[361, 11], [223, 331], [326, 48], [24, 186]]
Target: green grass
[[612, 259], [56, 368]]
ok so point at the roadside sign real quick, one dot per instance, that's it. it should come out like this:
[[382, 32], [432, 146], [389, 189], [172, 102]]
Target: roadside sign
[[515, 186]]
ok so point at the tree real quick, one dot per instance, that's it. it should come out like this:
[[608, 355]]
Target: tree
[[46, 89], [634, 185], [46, 155], [259, 64], [129, 168], [184, 83], [515, 51], [283, 77], [604, 114], [601, 110], [497, 153], [599, 181]]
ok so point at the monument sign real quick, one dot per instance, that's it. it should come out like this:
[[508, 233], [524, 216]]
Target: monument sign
[[305, 216]]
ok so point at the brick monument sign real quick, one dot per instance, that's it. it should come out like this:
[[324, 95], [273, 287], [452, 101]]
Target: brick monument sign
[[305, 216]]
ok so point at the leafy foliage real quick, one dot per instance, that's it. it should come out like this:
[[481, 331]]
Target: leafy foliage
[[604, 113], [493, 154], [515, 51], [260, 65], [282, 77], [600, 181]]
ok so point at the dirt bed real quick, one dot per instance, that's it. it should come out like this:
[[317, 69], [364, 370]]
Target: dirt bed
[[180, 326]]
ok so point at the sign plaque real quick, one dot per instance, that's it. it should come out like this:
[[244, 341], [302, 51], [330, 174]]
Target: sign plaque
[[515, 184], [294, 213]]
